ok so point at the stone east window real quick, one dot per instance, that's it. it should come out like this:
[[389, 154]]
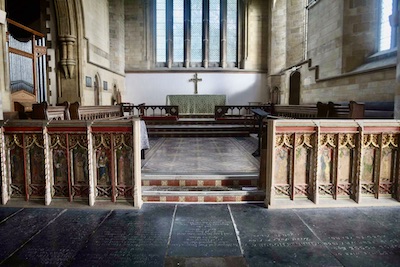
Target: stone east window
[[196, 33], [387, 32]]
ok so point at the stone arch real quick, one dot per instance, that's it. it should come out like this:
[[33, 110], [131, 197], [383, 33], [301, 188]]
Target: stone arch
[[97, 90], [294, 89]]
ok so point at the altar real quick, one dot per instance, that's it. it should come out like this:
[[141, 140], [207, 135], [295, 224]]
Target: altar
[[196, 104]]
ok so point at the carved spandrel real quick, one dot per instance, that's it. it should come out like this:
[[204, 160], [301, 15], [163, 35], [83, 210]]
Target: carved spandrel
[[371, 140], [284, 140]]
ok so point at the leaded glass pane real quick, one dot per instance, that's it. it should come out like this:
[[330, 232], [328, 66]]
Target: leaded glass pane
[[214, 39], [161, 31], [196, 30], [178, 30], [385, 29], [232, 31]]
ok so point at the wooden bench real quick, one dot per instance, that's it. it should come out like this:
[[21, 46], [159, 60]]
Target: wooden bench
[[350, 110], [78, 112], [295, 111], [44, 111]]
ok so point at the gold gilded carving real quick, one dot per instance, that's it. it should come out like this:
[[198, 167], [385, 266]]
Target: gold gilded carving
[[58, 140], [328, 140], [389, 140], [305, 140], [102, 140], [284, 140], [79, 140], [371, 140], [346, 140]]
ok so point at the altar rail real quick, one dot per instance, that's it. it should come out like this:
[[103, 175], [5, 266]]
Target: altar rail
[[323, 162], [78, 112], [144, 110], [237, 111], [71, 160]]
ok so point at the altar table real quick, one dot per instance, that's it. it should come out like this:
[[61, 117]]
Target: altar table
[[196, 104]]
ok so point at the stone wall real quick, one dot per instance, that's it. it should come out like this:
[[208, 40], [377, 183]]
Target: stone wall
[[117, 35], [103, 50], [341, 37], [257, 41], [135, 39], [325, 36]]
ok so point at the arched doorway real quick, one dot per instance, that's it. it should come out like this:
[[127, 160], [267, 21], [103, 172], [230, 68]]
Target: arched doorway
[[96, 86], [294, 91], [275, 96]]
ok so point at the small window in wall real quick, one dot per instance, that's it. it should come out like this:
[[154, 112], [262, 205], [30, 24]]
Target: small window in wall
[[387, 32], [196, 33]]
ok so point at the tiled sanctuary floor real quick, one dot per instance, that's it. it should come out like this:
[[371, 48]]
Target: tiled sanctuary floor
[[201, 155]]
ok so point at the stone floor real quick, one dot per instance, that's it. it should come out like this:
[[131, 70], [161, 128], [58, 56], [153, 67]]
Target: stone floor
[[201, 156], [199, 235]]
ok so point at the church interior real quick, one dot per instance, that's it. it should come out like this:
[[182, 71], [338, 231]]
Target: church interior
[[149, 113]]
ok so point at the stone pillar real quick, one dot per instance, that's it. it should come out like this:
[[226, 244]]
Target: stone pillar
[[137, 172], [68, 61], [91, 167], [4, 171], [47, 163], [69, 24]]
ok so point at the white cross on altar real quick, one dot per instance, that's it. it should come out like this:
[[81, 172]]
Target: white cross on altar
[[195, 80]]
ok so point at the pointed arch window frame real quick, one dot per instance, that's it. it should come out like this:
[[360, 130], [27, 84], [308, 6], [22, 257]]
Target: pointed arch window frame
[[205, 62], [386, 20]]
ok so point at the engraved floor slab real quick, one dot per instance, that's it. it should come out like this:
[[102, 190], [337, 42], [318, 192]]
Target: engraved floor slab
[[279, 238], [60, 241], [203, 231], [8, 212], [200, 155], [129, 238], [200, 235], [20, 228], [358, 236]]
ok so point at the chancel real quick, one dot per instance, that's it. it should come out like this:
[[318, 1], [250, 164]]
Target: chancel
[[294, 111], [59, 70]]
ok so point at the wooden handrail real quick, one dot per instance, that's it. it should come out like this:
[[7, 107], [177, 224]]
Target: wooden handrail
[[19, 25]]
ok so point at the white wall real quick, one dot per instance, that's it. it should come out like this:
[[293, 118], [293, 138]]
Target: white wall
[[152, 88]]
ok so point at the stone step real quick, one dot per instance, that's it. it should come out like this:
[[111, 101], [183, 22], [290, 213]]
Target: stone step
[[200, 180], [198, 134], [165, 194], [233, 188]]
